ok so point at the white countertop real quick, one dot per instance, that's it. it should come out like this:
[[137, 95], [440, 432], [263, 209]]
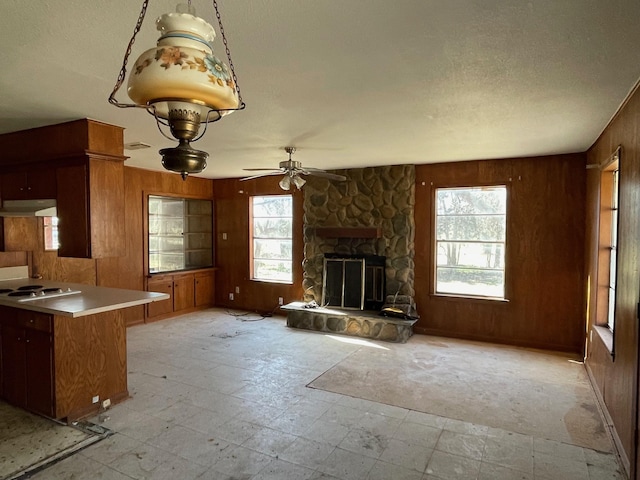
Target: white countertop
[[91, 300]]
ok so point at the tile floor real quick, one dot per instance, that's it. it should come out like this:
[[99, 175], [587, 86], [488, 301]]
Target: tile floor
[[215, 397]]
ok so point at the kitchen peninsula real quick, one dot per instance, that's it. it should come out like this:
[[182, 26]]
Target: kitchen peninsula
[[65, 354]]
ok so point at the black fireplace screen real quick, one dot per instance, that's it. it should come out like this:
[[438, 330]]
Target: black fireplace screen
[[354, 281]]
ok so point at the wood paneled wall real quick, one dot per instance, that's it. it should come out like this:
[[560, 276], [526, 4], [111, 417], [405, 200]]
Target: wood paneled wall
[[545, 254], [616, 377], [127, 271], [232, 255]]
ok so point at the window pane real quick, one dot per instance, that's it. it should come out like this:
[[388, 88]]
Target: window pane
[[272, 227], [272, 231], [487, 283], [473, 255], [471, 227], [272, 206], [479, 200], [470, 231], [279, 271], [280, 249]]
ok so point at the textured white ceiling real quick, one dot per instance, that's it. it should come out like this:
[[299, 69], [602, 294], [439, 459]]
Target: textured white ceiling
[[349, 83]]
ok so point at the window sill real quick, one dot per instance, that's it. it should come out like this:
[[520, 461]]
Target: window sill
[[279, 282], [606, 336], [452, 297]]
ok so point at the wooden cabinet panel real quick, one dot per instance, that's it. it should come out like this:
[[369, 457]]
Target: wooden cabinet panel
[[90, 203], [35, 183], [73, 212], [183, 292], [205, 288], [39, 372], [14, 368], [161, 307], [27, 367]]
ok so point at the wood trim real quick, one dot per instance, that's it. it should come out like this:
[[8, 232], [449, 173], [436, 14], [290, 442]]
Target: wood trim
[[608, 422], [348, 232]]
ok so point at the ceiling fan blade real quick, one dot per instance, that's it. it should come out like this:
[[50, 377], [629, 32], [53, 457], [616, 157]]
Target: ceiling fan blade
[[257, 169], [261, 175], [322, 173]]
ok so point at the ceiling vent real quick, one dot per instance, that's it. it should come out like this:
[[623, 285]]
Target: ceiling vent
[[136, 146]]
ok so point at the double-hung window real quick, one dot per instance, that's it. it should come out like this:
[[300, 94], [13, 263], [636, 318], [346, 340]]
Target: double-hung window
[[272, 238], [470, 241]]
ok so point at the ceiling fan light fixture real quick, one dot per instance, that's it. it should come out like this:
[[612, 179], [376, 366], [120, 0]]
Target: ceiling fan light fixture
[[181, 83], [285, 183], [298, 181]]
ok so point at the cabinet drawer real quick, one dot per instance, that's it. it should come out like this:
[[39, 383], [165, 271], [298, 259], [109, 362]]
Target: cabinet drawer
[[35, 320], [18, 318]]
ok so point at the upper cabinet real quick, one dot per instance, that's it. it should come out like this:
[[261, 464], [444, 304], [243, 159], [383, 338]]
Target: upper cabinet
[[29, 184], [81, 165]]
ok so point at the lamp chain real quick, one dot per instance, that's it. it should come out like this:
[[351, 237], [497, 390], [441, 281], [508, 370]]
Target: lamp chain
[[228, 52], [123, 70]]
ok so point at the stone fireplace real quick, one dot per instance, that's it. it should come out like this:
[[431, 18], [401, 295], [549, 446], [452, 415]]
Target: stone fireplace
[[358, 253], [369, 214]]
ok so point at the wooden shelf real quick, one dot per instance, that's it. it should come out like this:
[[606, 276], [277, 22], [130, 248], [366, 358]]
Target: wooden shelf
[[349, 232]]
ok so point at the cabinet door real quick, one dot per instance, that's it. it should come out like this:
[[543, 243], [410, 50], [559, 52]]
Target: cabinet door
[[183, 292], [14, 186], [35, 183], [205, 288], [14, 369], [161, 307], [74, 232], [39, 372]]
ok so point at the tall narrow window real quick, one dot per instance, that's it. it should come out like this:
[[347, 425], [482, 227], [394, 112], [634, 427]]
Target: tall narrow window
[[272, 238], [470, 230], [614, 251]]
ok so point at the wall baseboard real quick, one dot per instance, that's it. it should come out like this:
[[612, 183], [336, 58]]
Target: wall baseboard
[[609, 425]]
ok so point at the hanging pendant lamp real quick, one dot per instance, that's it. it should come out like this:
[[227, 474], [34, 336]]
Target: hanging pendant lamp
[[181, 83]]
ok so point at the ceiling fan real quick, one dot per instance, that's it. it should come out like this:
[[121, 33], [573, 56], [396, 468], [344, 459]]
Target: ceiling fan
[[292, 171]]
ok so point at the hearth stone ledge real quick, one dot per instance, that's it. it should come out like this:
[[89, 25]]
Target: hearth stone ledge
[[355, 323]]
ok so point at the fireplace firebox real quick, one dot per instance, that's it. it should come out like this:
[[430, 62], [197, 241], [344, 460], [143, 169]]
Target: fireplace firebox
[[354, 281]]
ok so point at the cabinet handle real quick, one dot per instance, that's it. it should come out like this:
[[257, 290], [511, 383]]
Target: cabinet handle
[[28, 188], [31, 320], [27, 340]]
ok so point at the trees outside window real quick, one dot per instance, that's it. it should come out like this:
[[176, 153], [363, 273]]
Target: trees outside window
[[470, 230], [272, 238]]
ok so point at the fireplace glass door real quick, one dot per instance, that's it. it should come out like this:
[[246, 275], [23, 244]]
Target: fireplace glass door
[[344, 283]]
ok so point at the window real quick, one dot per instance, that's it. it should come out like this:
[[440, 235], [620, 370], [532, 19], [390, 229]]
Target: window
[[180, 233], [608, 244], [470, 229], [51, 233], [272, 238], [614, 250]]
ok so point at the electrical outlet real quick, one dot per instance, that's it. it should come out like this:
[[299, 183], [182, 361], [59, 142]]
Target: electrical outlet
[[95, 399], [224, 236], [231, 296], [237, 289], [280, 301], [106, 403]]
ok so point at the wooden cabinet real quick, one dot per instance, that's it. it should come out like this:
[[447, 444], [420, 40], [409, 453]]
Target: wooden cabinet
[[189, 291], [81, 165], [35, 182], [57, 365], [161, 284], [204, 288], [183, 292], [90, 203], [27, 360]]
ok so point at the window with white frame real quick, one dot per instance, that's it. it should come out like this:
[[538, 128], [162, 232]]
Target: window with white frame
[[272, 238], [614, 249], [470, 241]]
